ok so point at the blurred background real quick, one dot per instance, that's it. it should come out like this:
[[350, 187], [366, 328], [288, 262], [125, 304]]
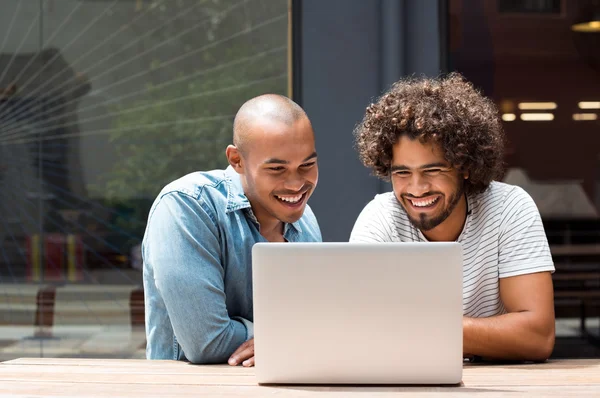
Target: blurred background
[[103, 102]]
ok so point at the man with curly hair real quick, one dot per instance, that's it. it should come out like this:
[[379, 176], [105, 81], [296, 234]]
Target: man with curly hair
[[440, 142]]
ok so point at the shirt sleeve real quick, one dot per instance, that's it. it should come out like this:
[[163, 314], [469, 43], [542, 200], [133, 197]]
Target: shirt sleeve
[[372, 226], [523, 244], [182, 248]]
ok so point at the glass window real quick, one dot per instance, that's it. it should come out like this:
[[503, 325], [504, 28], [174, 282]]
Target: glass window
[[102, 103], [539, 61]]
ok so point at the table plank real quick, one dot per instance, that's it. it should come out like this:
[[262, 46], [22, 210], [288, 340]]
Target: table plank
[[505, 375], [128, 366], [532, 375], [104, 362], [44, 389], [74, 377]]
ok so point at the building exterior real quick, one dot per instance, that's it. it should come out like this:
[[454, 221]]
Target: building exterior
[[103, 102]]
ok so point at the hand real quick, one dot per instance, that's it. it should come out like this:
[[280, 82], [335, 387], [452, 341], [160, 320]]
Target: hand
[[244, 355]]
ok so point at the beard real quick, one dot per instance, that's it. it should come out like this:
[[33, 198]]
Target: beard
[[425, 222]]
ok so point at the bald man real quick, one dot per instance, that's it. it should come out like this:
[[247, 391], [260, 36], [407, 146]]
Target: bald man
[[201, 229]]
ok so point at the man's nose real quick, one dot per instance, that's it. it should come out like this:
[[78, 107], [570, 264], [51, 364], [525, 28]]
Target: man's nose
[[294, 183], [418, 185]]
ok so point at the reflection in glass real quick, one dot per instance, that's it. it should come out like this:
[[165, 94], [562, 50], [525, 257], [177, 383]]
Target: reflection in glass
[[101, 104], [545, 78]]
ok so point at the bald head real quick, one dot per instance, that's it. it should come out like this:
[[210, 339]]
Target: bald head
[[267, 108]]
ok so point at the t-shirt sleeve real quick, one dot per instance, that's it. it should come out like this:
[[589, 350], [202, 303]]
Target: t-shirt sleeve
[[372, 224], [523, 244]]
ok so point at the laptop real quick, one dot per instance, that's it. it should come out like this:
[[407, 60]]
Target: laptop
[[358, 313]]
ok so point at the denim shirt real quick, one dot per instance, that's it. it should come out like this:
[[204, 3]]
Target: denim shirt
[[198, 267]]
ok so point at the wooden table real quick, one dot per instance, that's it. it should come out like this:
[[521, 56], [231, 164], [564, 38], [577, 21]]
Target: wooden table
[[62, 377]]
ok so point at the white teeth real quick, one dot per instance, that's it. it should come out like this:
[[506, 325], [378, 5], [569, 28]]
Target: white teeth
[[290, 199], [423, 203]]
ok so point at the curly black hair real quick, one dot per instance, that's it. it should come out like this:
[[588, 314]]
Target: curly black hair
[[447, 110]]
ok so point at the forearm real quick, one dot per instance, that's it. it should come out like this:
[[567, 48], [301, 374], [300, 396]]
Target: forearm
[[212, 345], [512, 336]]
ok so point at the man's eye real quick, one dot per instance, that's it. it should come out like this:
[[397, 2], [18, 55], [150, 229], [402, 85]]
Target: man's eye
[[310, 164], [433, 171], [401, 173], [276, 168]]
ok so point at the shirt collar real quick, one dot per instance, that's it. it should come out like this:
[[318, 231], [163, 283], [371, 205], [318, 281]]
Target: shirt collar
[[237, 199]]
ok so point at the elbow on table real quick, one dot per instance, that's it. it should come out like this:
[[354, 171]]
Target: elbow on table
[[544, 348], [211, 351], [206, 356]]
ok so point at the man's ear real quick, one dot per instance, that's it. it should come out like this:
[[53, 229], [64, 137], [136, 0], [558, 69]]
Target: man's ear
[[234, 157]]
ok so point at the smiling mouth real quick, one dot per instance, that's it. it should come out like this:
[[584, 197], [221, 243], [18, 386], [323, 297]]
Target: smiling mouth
[[291, 200], [424, 203]]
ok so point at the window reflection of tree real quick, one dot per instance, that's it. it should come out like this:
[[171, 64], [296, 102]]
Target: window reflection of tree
[[39, 135]]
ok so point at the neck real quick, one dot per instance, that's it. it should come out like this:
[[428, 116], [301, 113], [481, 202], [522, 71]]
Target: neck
[[271, 229], [450, 229]]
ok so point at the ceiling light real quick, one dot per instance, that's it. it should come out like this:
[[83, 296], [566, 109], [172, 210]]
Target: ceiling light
[[588, 20], [536, 106], [584, 116], [537, 117], [589, 105]]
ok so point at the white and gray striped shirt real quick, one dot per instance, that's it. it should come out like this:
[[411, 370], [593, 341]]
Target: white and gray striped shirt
[[503, 236]]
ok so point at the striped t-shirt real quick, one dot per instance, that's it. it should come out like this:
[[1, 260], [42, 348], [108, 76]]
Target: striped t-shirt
[[503, 236]]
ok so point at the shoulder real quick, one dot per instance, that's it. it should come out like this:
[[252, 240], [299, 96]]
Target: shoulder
[[383, 219], [207, 189], [504, 198], [507, 205], [195, 184], [502, 190], [385, 204], [385, 209]]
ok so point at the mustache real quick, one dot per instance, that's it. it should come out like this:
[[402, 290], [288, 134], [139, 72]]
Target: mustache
[[305, 188]]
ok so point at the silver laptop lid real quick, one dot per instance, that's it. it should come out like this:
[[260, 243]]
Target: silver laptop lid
[[358, 313]]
